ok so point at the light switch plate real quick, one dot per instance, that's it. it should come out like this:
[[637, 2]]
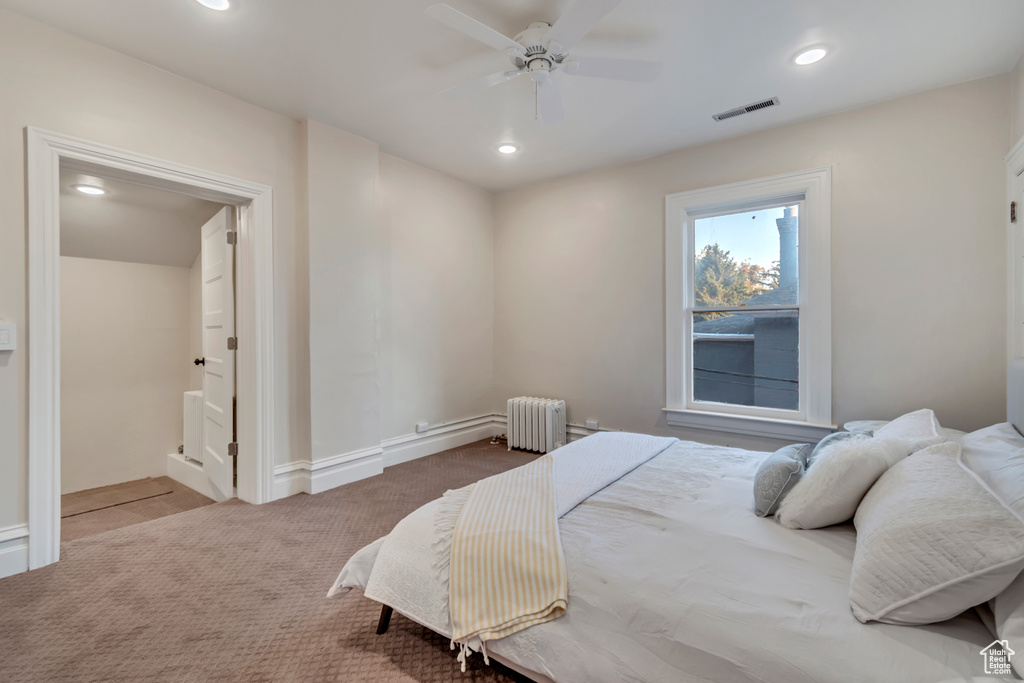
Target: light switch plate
[[8, 336]]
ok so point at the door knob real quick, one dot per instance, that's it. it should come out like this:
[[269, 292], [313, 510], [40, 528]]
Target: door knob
[[200, 361]]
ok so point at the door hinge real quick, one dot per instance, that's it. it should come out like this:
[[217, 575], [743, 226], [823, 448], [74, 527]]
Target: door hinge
[[1013, 212], [233, 448], [232, 343], [232, 237]]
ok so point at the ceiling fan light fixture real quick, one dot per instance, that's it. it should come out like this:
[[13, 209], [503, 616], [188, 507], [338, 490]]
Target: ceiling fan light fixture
[[219, 5], [507, 148], [90, 189], [541, 50], [810, 55]]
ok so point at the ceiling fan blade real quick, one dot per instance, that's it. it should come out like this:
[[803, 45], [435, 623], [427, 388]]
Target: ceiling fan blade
[[617, 69], [463, 23], [549, 101], [577, 21], [480, 83]]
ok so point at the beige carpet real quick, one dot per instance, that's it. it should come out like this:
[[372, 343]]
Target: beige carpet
[[94, 511], [235, 592]]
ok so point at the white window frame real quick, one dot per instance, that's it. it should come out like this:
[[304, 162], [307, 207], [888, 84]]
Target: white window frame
[[813, 420]]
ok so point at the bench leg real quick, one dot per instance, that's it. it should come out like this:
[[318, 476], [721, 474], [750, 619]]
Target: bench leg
[[385, 620]]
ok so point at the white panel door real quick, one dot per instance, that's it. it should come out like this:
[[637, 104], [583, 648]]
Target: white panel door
[[1015, 255], [218, 262]]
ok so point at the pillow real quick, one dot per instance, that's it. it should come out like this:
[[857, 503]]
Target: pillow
[[779, 473], [839, 475], [931, 542], [1008, 616], [868, 426], [871, 426], [915, 431], [996, 455], [833, 438]]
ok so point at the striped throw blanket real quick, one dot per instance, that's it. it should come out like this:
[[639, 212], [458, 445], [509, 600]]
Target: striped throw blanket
[[506, 567]]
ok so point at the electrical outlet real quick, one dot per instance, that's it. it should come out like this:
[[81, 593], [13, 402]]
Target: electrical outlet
[[8, 337], [421, 427], [592, 424]]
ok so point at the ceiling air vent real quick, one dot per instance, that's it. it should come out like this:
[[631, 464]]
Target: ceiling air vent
[[722, 116]]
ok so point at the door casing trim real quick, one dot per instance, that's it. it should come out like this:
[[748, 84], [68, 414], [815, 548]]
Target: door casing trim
[[47, 152]]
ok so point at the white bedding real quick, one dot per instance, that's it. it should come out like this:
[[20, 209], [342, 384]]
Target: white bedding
[[672, 577]]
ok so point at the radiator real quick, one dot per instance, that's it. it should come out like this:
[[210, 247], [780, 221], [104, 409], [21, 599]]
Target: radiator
[[194, 426], [536, 424]]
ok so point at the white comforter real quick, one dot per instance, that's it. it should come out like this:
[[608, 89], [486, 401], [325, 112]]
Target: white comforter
[[673, 578]]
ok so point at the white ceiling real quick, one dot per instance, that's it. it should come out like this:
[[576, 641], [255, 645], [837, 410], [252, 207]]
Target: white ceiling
[[374, 68], [130, 223]]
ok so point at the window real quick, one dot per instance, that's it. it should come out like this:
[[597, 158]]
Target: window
[[748, 345]]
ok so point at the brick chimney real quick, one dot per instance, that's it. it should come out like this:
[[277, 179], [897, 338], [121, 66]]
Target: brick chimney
[[789, 264]]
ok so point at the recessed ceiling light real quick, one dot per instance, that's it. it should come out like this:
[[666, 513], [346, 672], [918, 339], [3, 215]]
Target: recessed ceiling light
[[219, 5], [90, 189], [810, 56], [508, 149]]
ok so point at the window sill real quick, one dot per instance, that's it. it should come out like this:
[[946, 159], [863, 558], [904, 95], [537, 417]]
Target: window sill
[[745, 424]]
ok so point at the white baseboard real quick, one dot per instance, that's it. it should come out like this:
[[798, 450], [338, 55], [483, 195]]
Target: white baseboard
[[13, 550], [332, 473], [436, 439], [289, 483], [572, 432], [191, 474], [317, 476]]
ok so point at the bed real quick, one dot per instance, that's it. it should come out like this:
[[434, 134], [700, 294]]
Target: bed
[[673, 578]]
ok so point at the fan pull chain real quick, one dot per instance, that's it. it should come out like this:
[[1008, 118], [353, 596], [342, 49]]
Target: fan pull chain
[[536, 101]]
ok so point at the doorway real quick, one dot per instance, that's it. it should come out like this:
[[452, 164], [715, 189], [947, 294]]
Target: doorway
[[133, 274], [47, 153]]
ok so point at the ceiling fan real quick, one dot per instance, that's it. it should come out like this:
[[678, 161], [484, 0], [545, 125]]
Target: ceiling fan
[[543, 49]]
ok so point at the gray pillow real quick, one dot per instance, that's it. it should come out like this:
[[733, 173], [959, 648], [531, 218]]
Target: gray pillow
[[777, 475], [832, 438]]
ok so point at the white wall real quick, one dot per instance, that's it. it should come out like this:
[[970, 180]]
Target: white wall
[[401, 295], [344, 272], [918, 293], [1017, 102], [437, 298], [124, 346]]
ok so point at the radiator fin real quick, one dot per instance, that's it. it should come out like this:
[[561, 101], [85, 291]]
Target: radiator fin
[[536, 424], [193, 426]]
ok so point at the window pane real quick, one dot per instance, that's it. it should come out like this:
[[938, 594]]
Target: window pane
[[747, 258], [747, 359]]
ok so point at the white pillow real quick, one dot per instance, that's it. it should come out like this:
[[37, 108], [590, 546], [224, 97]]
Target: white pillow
[[873, 426], [1008, 615], [916, 430], [931, 542], [996, 455], [836, 480]]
